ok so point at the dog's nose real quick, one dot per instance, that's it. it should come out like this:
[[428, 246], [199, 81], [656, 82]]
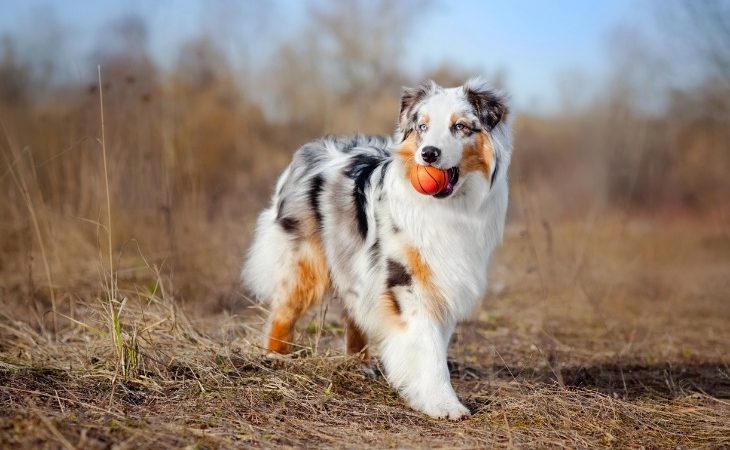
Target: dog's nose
[[430, 154]]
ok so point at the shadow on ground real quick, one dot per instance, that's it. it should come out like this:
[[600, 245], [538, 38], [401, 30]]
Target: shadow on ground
[[628, 381]]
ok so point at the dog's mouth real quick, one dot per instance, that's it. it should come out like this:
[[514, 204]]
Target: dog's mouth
[[449, 188]]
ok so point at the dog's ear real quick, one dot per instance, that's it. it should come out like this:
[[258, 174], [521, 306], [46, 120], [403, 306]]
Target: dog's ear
[[491, 108], [410, 98]]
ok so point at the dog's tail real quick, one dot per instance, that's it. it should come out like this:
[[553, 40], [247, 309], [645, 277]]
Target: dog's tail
[[270, 253]]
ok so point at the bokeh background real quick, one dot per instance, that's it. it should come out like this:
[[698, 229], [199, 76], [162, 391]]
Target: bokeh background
[[122, 318], [621, 116]]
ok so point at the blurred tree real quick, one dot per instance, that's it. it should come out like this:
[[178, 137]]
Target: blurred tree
[[201, 64], [15, 76], [699, 108], [700, 30], [123, 52], [350, 54]]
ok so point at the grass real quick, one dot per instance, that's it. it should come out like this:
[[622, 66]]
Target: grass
[[590, 337]]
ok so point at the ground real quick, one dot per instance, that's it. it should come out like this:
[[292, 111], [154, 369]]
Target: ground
[[596, 333]]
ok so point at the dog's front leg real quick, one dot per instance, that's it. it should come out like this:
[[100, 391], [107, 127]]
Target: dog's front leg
[[415, 362]]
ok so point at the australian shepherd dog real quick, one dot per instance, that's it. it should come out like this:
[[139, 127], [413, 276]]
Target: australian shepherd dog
[[346, 221]]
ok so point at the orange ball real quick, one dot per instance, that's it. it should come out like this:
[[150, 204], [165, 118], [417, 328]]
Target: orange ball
[[429, 180]]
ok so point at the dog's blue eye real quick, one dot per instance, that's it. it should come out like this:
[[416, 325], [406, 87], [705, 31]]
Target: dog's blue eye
[[423, 127], [458, 127]]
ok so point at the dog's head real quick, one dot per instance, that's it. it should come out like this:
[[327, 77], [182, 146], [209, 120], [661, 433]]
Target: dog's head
[[451, 128]]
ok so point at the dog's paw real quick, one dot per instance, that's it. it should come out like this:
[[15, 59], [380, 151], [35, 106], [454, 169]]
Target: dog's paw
[[370, 372], [450, 409], [461, 412], [275, 356]]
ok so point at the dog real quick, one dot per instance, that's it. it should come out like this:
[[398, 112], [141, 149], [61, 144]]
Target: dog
[[345, 221]]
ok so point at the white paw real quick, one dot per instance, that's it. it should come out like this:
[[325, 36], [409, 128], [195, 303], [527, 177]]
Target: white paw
[[274, 356], [450, 409]]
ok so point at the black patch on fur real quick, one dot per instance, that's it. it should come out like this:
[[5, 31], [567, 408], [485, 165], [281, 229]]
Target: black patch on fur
[[375, 251], [383, 171], [397, 275], [289, 224], [345, 145], [280, 208], [406, 133], [410, 98], [315, 189], [311, 154], [489, 107], [494, 173], [360, 171]]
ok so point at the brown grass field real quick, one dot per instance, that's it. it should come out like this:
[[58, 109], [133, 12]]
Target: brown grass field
[[603, 333]]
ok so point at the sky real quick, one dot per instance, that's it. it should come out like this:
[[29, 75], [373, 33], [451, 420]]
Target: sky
[[533, 42]]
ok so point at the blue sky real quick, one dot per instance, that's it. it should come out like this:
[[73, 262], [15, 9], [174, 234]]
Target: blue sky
[[532, 41]]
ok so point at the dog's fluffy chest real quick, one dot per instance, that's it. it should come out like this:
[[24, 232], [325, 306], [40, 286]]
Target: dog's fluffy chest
[[453, 239]]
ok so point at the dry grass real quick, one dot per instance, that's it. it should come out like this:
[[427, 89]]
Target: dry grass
[[590, 337]]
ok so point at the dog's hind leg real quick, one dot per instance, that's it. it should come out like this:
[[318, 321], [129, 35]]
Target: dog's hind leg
[[307, 285], [288, 271], [355, 340]]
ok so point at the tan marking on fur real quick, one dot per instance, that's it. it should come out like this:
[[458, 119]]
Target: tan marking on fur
[[435, 301], [312, 279], [391, 303], [280, 337], [310, 227], [419, 267], [478, 156], [453, 119], [355, 340], [407, 152], [389, 310], [408, 147]]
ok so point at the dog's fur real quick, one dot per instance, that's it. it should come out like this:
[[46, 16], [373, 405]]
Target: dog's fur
[[345, 220]]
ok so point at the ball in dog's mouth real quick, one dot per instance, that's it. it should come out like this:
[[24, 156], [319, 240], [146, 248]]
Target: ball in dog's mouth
[[449, 188], [428, 180]]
